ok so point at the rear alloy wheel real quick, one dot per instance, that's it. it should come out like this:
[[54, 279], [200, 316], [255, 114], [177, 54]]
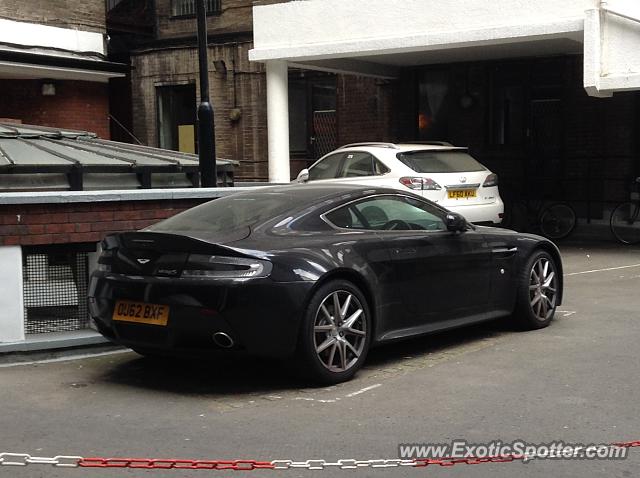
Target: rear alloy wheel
[[335, 334], [537, 291]]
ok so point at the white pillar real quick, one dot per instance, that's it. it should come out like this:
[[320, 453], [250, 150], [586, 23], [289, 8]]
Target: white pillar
[[278, 121], [11, 297]]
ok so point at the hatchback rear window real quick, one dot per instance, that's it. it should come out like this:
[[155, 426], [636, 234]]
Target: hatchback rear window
[[440, 161]]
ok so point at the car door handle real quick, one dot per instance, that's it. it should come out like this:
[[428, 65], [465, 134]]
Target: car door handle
[[504, 251]]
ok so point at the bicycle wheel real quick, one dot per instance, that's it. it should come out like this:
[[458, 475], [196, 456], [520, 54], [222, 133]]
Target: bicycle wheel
[[625, 223], [557, 221]]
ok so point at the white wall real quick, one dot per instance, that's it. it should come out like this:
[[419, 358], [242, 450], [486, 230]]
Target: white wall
[[612, 47], [32, 34], [335, 28], [11, 298]]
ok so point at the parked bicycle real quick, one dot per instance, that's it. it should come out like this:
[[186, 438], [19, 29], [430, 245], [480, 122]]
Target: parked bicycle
[[554, 220], [625, 220]]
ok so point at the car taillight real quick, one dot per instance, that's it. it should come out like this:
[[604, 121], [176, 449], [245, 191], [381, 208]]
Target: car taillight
[[492, 180], [425, 184], [200, 266], [105, 261]]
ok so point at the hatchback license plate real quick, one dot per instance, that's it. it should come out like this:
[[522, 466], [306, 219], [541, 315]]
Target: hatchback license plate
[[461, 193], [141, 313]]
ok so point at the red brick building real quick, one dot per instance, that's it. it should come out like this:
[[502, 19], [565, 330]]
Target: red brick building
[[53, 64]]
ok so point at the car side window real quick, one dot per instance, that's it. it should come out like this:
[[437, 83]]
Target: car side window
[[357, 164], [346, 218], [379, 168], [398, 213], [327, 168]]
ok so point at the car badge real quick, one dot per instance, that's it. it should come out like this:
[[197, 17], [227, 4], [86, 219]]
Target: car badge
[[463, 179], [143, 261]]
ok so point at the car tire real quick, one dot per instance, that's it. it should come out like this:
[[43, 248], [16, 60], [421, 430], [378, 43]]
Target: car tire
[[332, 347], [537, 294]]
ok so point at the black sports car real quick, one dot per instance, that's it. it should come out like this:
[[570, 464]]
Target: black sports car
[[322, 272]]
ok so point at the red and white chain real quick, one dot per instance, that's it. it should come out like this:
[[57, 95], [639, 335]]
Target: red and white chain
[[70, 461]]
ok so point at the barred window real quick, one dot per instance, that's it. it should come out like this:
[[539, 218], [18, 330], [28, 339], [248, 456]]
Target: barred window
[[183, 8], [55, 289]]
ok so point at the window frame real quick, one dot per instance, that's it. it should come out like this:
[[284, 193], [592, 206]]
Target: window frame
[[209, 13], [443, 211]]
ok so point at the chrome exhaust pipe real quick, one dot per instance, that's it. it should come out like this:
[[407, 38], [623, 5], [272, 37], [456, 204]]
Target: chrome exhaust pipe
[[223, 340]]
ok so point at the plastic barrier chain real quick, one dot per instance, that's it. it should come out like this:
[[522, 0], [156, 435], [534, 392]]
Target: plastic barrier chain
[[72, 461]]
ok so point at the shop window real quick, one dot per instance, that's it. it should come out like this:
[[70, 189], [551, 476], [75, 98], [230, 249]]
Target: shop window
[[177, 117]]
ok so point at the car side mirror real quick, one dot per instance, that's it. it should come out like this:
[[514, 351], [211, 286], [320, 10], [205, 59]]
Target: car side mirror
[[455, 222], [303, 176]]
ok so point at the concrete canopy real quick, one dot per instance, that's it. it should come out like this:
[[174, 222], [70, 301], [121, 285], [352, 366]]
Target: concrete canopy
[[376, 37]]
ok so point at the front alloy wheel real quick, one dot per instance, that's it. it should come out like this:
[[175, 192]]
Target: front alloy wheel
[[538, 291], [543, 289], [335, 333]]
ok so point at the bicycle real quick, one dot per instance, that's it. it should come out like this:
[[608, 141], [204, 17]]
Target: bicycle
[[554, 221], [625, 220]]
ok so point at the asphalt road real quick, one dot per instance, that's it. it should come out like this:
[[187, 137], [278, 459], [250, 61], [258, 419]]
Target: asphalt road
[[575, 381]]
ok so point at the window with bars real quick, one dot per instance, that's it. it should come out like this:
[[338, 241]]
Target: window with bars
[[187, 8], [55, 290]]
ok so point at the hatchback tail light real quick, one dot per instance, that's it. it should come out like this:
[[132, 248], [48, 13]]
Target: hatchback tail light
[[492, 180], [425, 184]]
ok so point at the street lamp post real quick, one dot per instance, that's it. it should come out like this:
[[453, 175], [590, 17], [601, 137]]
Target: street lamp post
[[206, 126]]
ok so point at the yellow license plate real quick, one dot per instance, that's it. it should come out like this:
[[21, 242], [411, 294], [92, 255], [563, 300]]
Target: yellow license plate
[[141, 313], [461, 193]]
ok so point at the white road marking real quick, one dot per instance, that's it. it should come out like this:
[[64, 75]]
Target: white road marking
[[362, 390], [602, 270], [64, 359], [337, 399], [566, 313]]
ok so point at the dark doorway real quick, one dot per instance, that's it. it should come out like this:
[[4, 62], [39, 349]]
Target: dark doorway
[[312, 114], [177, 117]]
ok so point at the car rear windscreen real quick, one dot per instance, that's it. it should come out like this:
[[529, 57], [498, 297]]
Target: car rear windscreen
[[227, 214], [440, 161]]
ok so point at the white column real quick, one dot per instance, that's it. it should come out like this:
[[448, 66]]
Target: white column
[[11, 296], [278, 121]]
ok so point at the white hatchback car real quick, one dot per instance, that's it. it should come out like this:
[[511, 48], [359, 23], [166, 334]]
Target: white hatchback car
[[439, 171]]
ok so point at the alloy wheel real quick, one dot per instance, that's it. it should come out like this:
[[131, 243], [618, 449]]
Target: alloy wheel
[[543, 289], [339, 331]]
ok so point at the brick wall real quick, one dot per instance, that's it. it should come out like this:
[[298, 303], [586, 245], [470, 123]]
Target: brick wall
[[236, 16], [364, 109], [38, 224], [88, 15], [244, 140], [76, 105]]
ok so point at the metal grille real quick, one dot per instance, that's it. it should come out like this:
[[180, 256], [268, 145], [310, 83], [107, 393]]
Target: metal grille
[[325, 132], [181, 8], [55, 291]]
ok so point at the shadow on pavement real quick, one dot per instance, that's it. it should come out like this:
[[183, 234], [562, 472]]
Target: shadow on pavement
[[221, 376]]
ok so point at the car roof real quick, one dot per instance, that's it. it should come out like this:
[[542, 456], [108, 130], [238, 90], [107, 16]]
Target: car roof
[[400, 147]]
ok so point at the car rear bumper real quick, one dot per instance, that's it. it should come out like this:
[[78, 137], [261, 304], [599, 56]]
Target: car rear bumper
[[480, 213], [261, 316]]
